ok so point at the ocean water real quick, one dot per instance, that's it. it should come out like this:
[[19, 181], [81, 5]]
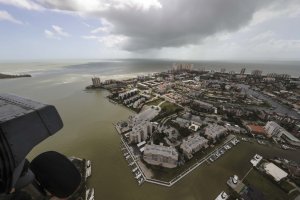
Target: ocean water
[[88, 130], [129, 66]]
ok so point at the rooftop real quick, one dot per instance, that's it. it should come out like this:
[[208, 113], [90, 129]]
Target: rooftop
[[275, 171], [256, 129]]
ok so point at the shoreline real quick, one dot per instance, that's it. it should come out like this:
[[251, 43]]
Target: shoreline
[[10, 76]]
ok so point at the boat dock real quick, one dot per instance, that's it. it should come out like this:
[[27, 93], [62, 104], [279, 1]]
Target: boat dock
[[141, 177], [132, 163]]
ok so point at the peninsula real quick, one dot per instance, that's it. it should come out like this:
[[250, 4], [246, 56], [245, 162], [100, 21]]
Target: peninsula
[[7, 76], [186, 118]]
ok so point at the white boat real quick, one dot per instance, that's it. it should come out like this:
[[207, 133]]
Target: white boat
[[131, 164], [127, 157], [135, 169], [140, 181], [88, 167], [138, 176], [222, 196], [90, 194]]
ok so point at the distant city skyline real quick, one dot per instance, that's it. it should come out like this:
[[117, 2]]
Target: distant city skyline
[[159, 29]]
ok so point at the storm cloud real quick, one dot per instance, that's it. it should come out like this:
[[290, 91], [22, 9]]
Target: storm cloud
[[137, 25]]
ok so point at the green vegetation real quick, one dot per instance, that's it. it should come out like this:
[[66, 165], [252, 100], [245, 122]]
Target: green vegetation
[[170, 108], [266, 104], [158, 138], [155, 102], [294, 194], [167, 109], [183, 131], [286, 186], [266, 186]]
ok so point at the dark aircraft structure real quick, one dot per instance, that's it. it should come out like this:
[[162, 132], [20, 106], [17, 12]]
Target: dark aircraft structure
[[25, 123]]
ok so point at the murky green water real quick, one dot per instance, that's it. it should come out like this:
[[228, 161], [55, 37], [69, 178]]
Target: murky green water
[[88, 132]]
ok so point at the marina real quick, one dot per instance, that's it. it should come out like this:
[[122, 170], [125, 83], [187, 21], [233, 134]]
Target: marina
[[136, 171], [141, 177]]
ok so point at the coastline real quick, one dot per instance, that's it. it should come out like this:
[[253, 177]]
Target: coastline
[[10, 76]]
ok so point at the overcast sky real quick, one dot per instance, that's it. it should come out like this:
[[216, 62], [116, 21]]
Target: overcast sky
[[174, 29]]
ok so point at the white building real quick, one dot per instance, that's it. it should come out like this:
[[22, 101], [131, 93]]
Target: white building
[[222, 196], [138, 102], [256, 159], [274, 171], [256, 73], [214, 131], [161, 155], [275, 130], [182, 67], [193, 144], [96, 81], [127, 94], [140, 132]]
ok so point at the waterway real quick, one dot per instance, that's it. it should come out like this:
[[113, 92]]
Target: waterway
[[89, 133], [276, 106]]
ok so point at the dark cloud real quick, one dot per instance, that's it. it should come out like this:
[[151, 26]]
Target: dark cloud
[[177, 23]]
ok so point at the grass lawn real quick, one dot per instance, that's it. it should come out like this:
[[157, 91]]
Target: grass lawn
[[266, 186], [286, 186], [294, 194], [167, 109], [155, 102], [170, 108]]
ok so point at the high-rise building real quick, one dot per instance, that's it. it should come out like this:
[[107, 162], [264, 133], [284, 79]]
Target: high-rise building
[[96, 81], [243, 71], [182, 67], [140, 132], [223, 70], [256, 73]]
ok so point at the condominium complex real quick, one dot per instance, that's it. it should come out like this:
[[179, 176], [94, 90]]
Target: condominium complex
[[140, 132], [161, 155], [128, 94], [214, 131], [193, 144]]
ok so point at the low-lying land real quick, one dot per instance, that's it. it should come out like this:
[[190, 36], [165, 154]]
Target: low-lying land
[[7, 76], [186, 118]]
